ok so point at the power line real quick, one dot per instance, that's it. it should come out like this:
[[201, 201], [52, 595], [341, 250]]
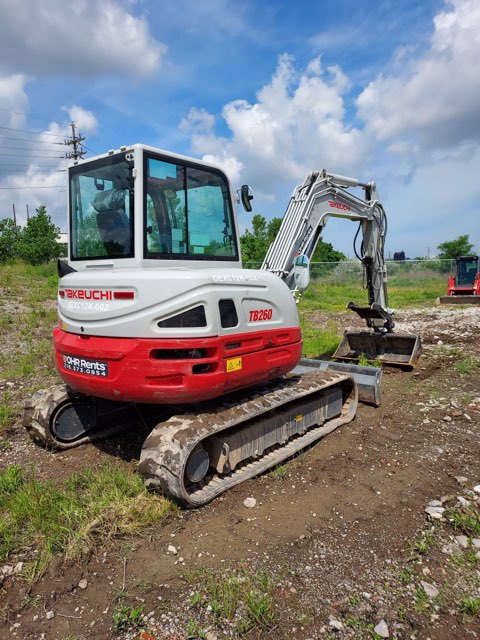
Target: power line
[[22, 113], [4, 146], [27, 140], [54, 135], [23, 155]]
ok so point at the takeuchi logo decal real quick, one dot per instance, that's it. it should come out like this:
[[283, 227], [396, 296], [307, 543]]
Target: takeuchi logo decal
[[338, 205], [86, 294]]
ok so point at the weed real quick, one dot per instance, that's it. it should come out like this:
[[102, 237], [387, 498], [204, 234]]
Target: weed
[[470, 606], [466, 365], [364, 361], [401, 614], [318, 343], [464, 559], [239, 594], [420, 547], [32, 601], [303, 619], [195, 599], [421, 601], [143, 586], [194, 631], [356, 624], [406, 575], [7, 412], [280, 472], [467, 520], [260, 609], [126, 617]]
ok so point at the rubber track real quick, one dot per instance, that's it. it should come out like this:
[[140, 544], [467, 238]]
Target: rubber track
[[37, 418], [167, 448]]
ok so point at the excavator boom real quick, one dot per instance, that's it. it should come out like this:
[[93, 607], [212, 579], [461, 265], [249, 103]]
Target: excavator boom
[[322, 196]]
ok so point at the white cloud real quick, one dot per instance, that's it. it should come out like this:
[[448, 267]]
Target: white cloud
[[295, 126], [84, 119], [436, 99], [85, 37], [13, 100]]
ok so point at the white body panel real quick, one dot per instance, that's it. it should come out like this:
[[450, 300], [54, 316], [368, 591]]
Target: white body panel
[[88, 308]]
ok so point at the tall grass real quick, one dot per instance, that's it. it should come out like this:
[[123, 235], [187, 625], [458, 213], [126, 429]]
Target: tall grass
[[89, 509], [31, 283]]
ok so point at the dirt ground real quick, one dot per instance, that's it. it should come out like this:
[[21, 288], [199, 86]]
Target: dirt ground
[[339, 530]]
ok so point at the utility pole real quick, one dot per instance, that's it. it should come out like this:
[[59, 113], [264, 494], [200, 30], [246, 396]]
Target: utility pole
[[14, 215], [76, 142], [28, 214]]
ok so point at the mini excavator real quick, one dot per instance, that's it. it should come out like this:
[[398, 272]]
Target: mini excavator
[[160, 325]]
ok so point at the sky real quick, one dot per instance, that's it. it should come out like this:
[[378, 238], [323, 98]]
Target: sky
[[378, 90]]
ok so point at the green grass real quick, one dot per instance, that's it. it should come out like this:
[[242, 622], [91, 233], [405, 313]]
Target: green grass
[[33, 284], [333, 293], [280, 472], [91, 508], [470, 606], [127, 617], [466, 520], [467, 364], [406, 290], [8, 411], [239, 596], [319, 343]]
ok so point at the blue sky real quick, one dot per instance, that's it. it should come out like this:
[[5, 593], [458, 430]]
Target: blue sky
[[384, 90]]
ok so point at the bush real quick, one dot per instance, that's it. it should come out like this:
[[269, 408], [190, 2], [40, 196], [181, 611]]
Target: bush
[[38, 241]]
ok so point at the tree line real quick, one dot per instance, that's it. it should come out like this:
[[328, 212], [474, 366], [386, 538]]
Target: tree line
[[37, 242]]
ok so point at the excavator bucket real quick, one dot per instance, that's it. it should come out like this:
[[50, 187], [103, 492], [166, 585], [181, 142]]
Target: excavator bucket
[[398, 349]]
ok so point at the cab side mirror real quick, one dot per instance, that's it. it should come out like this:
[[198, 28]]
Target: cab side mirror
[[246, 196]]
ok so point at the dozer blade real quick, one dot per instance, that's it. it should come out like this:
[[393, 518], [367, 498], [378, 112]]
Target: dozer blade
[[398, 349], [367, 379], [458, 300]]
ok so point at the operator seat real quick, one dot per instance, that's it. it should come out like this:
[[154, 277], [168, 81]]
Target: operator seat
[[113, 223]]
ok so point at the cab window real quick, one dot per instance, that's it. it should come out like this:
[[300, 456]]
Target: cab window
[[188, 213]]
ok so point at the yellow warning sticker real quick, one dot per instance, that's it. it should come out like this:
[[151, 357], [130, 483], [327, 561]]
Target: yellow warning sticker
[[234, 364]]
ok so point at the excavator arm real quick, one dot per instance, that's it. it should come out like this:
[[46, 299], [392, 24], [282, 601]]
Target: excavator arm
[[321, 196]]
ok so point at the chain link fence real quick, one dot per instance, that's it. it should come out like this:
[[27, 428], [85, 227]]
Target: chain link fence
[[352, 270]]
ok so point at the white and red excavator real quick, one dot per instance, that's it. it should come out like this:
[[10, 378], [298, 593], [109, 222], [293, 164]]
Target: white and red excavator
[[160, 325]]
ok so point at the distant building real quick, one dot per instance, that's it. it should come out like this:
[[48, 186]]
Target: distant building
[[399, 255], [62, 238]]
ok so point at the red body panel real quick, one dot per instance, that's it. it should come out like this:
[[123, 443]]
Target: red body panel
[[159, 370], [464, 290]]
